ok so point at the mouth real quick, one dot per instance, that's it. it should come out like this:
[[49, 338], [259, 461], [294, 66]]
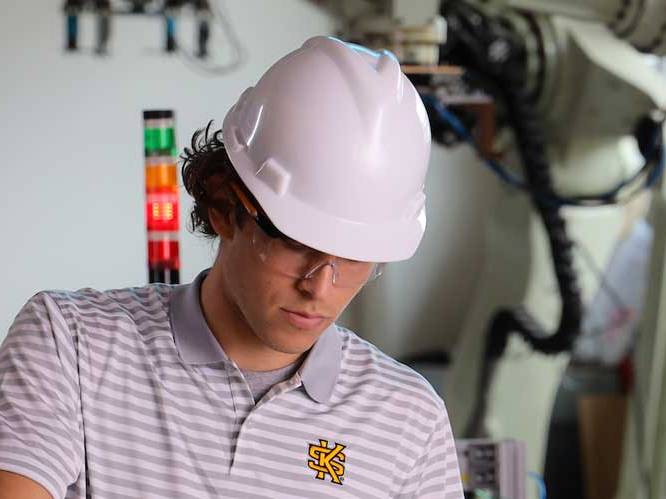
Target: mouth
[[304, 314], [302, 320]]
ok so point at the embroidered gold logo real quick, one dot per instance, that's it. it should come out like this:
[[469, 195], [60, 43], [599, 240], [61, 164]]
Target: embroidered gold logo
[[327, 461]]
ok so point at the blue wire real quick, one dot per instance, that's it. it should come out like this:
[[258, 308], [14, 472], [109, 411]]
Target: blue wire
[[72, 25], [503, 173], [540, 483], [171, 25], [464, 134]]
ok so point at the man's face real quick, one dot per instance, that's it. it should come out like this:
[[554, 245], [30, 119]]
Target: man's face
[[263, 297]]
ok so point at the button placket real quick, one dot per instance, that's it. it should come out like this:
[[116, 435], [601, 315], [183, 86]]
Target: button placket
[[243, 405], [279, 389], [243, 444]]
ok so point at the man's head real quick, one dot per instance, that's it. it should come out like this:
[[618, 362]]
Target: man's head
[[315, 178], [266, 275]]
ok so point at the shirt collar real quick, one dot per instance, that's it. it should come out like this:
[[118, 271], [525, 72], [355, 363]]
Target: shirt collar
[[320, 369], [196, 343]]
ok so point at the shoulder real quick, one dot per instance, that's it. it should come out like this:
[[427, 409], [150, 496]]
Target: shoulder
[[378, 371], [76, 309], [110, 299], [121, 300]]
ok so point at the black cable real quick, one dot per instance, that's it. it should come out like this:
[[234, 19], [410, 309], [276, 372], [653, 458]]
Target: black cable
[[492, 50]]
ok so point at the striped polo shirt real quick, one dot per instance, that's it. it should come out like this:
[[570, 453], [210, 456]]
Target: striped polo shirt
[[127, 393]]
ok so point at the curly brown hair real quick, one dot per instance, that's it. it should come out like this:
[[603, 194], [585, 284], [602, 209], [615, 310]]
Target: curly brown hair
[[207, 173]]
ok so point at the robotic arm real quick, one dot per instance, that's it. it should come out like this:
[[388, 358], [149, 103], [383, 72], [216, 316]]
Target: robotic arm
[[593, 91], [640, 23], [570, 80]]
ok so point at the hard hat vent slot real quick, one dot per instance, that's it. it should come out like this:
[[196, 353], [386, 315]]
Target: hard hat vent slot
[[234, 142], [275, 176]]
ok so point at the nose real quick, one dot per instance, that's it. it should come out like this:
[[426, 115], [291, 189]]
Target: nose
[[319, 281]]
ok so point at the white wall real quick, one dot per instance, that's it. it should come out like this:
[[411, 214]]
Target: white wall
[[72, 172], [72, 139]]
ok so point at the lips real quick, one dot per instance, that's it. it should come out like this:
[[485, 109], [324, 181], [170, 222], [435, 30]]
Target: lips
[[307, 316], [303, 321]]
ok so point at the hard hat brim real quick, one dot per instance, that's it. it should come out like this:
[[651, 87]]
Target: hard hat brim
[[392, 241]]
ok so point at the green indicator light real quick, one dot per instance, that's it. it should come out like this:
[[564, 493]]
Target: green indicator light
[[160, 140]]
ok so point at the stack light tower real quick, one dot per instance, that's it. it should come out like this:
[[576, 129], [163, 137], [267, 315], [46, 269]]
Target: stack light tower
[[162, 205]]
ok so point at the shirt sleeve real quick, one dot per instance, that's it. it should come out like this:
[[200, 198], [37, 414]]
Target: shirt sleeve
[[436, 474], [40, 434]]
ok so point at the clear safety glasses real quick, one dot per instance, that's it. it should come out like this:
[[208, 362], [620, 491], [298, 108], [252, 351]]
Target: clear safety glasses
[[291, 258]]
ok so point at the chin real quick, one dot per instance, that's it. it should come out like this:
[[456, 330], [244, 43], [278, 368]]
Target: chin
[[291, 340]]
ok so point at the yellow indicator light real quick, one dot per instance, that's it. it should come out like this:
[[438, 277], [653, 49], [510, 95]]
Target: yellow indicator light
[[160, 176]]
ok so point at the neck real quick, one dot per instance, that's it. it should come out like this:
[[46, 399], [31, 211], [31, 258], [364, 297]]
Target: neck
[[230, 328]]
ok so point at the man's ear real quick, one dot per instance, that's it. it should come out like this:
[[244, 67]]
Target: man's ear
[[222, 208], [222, 219]]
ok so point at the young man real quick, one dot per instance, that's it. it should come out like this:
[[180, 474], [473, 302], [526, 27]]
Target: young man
[[240, 384]]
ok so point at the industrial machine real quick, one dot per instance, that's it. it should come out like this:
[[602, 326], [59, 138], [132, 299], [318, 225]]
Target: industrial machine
[[560, 101]]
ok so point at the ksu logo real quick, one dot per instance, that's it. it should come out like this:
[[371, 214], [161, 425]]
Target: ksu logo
[[327, 461]]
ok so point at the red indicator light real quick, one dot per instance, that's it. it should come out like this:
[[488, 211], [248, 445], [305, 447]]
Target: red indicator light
[[162, 211], [163, 251]]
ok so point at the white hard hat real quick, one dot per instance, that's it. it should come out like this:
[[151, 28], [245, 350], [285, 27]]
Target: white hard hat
[[334, 143]]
